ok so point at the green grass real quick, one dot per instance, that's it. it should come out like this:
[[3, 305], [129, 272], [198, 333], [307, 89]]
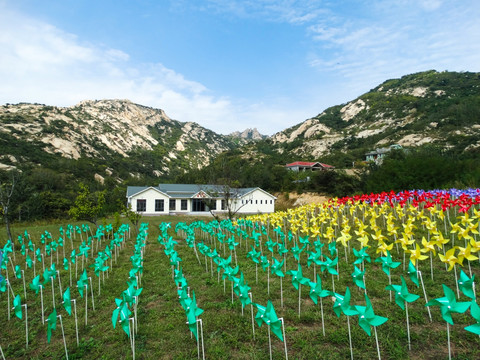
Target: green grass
[[163, 333]]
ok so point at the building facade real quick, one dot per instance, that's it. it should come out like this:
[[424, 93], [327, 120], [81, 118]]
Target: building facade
[[173, 199]]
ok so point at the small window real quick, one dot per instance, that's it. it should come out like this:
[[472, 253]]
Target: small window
[[172, 204], [251, 201], [183, 204], [256, 201], [213, 205], [159, 205], [224, 205], [141, 205], [261, 202], [271, 202]]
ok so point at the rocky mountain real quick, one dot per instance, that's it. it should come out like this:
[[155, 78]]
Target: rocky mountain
[[439, 108], [105, 130], [248, 134]]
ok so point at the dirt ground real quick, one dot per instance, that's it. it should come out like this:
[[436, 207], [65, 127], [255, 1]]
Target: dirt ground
[[285, 201]]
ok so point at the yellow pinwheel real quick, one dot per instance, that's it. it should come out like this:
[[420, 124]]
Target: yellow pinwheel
[[449, 258], [465, 253], [428, 246], [416, 254], [383, 248]]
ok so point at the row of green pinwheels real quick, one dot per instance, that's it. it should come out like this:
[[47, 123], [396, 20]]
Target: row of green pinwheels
[[127, 304], [50, 275]]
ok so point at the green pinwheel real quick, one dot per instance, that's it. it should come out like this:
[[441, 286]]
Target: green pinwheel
[[332, 247], [297, 277], [357, 277], [179, 279], [316, 290], [465, 284], [67, 303], [65, 263], [387, 263], [276, 267], [413, 273], [296, 251], [35, 285], [367, 317], [254, 255], [38, 255], [264, 262], [29, 261], [342, 304], [130, 294], [270, 245], [192, 312], [73, 256], [48, 274], [402, 298], [475, 312], [260, 314], [17, 306], [281, 249], [271, 319], [314, 257], [124, 313], [51, 323], [330, 265], [361, 255], [18, 272], [448, 304], [82, 282], [402, 295]]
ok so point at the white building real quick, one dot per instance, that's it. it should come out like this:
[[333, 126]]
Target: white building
[[167, 199]]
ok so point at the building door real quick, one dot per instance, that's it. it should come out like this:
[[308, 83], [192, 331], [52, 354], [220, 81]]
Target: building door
[[198, 205]]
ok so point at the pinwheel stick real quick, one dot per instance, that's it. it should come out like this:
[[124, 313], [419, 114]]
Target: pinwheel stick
[[281, 291], [86, 303], [76, 321], [269, 342], [350, 337], [91, 293], [41, 300], [26, 326], [63, 335], [1, 353], [132, 336], [425, 294], [199, 321], [448, 340], [408, 327], [299, 298], [284, 338], [376, 340], [251, 310], [59, 282], [24, 287]]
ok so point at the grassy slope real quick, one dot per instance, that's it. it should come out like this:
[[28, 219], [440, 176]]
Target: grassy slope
[[163, 334]]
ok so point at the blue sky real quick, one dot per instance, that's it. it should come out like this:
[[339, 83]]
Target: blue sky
[[228, 64]]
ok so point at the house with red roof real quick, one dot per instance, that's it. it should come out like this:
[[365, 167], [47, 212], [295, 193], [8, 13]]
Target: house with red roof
[[299, 166]]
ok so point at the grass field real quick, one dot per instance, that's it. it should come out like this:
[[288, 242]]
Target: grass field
[[162, 329]]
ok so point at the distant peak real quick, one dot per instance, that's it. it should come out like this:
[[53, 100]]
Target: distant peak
[[248, 134]]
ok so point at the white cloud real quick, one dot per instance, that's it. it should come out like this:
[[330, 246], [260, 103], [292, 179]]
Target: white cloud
[[43, 64]]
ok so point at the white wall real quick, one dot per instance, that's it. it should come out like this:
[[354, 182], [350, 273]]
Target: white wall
[[256, 202], [150, 195]]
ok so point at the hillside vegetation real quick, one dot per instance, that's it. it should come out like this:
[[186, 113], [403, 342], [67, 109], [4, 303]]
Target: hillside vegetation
[[110, 144]]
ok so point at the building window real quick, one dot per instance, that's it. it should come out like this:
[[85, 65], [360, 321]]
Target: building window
[[214, 205], [171, 204], [224, 205], [141, 205], [159, 205], [198, 205], [271, 202], [183, 204], [256, 201], [261, 202]]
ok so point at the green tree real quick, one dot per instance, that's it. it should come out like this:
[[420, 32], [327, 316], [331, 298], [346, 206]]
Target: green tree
[[88, 206]]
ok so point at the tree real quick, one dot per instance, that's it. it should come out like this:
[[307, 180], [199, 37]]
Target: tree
[[88, 206], [133, 216], [7, 189], [230, 195]]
